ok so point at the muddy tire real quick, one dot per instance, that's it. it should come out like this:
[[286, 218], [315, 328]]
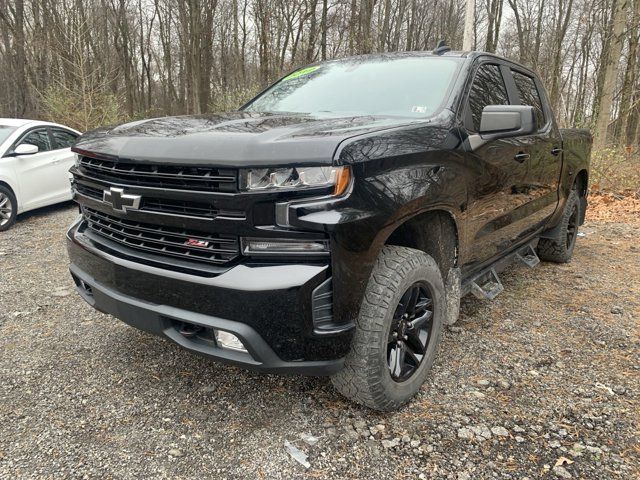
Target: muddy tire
[[397, 331], [559, 249]]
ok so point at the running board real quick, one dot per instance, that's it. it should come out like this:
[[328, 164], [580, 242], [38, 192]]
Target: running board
[[528, 256], [487, 285]]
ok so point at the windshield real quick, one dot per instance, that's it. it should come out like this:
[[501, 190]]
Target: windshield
[[5, 131], [415, 87]]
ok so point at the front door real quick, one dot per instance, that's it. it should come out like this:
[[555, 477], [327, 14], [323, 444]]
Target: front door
[[497, 185], [38, 175]]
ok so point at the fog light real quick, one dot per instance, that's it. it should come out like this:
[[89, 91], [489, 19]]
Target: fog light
[[266, 246], [229, 341]]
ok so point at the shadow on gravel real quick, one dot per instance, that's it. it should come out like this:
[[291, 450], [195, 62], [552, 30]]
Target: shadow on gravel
[[166, 368], [139, 360], [43, 212]]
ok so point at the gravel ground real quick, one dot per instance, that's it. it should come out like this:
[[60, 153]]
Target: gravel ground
[[541, 383]]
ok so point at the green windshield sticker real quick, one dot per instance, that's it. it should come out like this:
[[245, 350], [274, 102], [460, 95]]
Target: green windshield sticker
[[300, 73]]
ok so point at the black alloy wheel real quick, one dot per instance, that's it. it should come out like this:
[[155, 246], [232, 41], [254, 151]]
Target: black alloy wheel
[[411, 332], [397, 330]]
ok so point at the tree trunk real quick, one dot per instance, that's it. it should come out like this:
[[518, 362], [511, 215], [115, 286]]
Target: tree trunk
[[611, 75]]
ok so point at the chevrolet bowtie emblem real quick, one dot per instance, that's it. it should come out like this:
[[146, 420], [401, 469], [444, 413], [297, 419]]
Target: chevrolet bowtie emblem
[[121, 201]]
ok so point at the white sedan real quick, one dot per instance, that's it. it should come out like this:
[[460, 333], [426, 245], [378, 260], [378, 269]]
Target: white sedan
[[35, 158]]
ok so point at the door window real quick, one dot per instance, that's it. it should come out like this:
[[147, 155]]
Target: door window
[[529, 94], [488, 89], [63, 138], [39, 138]]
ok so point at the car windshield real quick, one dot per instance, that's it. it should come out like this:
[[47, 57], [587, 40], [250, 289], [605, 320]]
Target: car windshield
[[5, 131], [406, 86]]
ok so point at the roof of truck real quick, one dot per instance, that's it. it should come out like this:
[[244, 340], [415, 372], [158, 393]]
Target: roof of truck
[[473, 54]]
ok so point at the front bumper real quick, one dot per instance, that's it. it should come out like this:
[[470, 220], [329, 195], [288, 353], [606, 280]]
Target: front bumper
[[268, 307]]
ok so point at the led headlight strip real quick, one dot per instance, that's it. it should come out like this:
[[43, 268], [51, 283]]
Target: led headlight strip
[[296, 178], [257, 247]]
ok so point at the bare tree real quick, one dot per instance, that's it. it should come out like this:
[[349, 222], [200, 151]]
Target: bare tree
[[611, 72], [157, 57]]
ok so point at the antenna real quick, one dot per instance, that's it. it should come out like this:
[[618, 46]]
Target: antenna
[[441, 48]]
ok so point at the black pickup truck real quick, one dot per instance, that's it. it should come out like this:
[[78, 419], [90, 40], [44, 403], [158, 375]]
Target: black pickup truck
[[330, 225]]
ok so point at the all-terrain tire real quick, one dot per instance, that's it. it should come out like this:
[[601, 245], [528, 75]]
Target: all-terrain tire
[[8, 201], [366, 377], [559, 249]]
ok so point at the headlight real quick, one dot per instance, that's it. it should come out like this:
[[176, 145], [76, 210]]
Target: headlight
[[295, 178], [76, 160]]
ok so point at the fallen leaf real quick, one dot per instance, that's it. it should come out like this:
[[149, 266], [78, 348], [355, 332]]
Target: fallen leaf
[[563, 461]]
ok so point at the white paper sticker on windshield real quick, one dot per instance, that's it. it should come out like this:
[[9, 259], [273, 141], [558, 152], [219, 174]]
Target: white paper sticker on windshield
[[419, 109]]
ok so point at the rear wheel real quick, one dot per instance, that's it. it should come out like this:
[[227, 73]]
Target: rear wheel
[[560, 247], [397, 331], [8, 208]]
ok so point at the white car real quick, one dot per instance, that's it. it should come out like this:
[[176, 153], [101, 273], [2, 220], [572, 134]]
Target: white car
[[35, 158]]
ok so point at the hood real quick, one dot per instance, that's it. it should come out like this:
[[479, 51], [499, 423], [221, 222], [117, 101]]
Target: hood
[[236, 139]]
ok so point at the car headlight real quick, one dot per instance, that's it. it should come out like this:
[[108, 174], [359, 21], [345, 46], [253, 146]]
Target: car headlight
[[297, 178]]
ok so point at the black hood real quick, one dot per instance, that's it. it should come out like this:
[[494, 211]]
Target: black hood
[[236, 139]]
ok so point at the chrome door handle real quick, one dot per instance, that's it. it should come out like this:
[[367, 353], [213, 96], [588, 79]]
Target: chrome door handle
[[556, 151], [521, 157]]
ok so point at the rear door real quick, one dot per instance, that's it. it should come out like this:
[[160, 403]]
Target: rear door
[[62, 140], [544, 148], [496, 211]]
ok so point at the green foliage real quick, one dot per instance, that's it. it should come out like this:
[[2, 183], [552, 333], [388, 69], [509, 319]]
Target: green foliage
[[232, 98], [82, 109]]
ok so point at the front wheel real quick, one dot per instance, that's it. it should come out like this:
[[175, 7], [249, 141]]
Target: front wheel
[[8, 208], [397, 331]]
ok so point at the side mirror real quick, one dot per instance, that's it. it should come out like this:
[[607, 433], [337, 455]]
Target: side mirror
[[25, 149], [508, 120]]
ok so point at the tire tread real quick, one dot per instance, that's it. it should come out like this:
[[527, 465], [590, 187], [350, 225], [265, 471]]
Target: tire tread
[[361, 378], [555, 249]]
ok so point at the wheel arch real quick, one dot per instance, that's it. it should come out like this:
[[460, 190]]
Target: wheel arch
[[581, 184], [10, 187], [430, 231]]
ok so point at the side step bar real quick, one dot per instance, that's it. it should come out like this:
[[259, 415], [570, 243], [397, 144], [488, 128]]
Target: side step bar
[[487, 285], [528, 256]]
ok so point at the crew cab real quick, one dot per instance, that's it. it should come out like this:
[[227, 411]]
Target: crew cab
[[35, 158], [331, 224]]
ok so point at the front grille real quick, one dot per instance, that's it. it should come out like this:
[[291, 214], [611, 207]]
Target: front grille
[[179, 207], [175, 177], [88, 191], [163, 240], [167, 206]]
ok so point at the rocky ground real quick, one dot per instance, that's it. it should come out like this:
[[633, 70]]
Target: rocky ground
[[541, 383]]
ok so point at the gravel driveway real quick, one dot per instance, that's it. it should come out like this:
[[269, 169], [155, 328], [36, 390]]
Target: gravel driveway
[[541, 383]]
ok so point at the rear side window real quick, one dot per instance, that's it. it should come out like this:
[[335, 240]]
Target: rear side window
[[39, 138], [529, 94], [63, 138], [488, 89]]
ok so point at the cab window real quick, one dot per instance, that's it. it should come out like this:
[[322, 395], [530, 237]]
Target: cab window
[[488, 89]]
